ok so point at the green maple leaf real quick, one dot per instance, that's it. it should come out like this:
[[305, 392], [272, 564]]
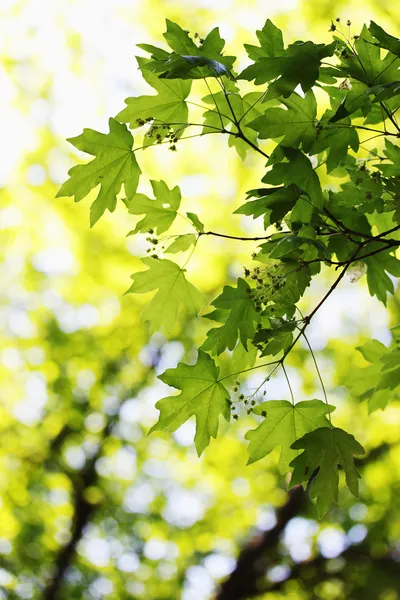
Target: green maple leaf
[[203, 396], [285, 423], [182, 66], [385, 39], [182, 243], [365, 63], [276, 338], [325, 449], [174, 291], [345, 102], [160, 213], [189, 61], [378, 267], [298, 64], [364, 381], [379, 382], [363, 192], [271, 43], [115, 164], [291, 166], [194, 219], [239, 315], [273, 203], [242, 358], [336, 140], [168, 106], [393, 154], [296, 124]]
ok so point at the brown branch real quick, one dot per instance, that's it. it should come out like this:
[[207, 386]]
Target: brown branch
[[234, 237], [83, 510], [313, 572], [82, 513], [244, 582]]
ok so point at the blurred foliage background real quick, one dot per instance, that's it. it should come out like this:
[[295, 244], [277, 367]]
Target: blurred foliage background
[[91, 507]]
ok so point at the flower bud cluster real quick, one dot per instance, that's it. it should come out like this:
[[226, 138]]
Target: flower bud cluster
[[152, 250]]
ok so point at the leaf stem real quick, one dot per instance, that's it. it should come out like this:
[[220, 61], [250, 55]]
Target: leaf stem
[[273, 362], [288, 382], [319, 377]]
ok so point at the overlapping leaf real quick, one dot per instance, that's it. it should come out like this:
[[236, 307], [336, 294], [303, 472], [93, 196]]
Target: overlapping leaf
[[181, 243], [188, 60], [160, 212], [298, 64], [379, 382], [336, 140], [296, 124], [284, 423], [203, 396], [379, 268], [385, 39], [238, 312], [173, 293], [364, 63], [168, 106], [392, 153], [363, 192], [115, 165], [272, 203], [323, 451], [291, 166]]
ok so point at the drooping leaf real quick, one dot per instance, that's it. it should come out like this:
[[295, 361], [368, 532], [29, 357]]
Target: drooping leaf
[[183, 66], [384, 91], [273, 203], [378, 269], [296, 124], [294, 247], [296, 170], [284, 423], [241, 318], [188, 60], [385, 39], [275, 339], [173, 293], [160, 213], [324, 450], [203, 396], [197, 224], [115, 165], [181, 243]]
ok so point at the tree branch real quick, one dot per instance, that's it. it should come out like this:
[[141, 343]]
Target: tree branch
[[235, 237], [83, 510], [244, 581]]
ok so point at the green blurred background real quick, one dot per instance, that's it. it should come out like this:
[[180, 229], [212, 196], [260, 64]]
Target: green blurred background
[[90, 506]]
